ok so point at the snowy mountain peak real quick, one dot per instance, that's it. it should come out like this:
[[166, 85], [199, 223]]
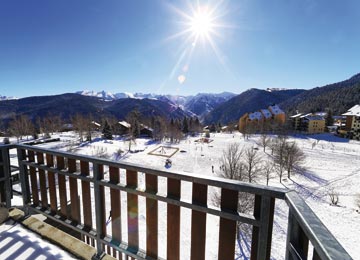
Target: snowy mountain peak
[[276, 89], [7, 98]]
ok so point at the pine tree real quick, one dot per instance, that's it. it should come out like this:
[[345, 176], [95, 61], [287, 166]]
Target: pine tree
[[329, 120], [107, 131], [185, 126]]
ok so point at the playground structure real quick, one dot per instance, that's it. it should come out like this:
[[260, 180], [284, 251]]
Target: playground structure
[[165, 151]]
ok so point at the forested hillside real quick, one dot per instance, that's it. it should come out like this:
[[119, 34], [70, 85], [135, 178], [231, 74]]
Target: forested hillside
[[338, 97]]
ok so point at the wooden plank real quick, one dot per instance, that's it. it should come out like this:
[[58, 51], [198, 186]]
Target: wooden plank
[[86, 198], [86, 195], [132, 212], [115, 209], [74, 199], [151, 217], [198, 222], [255, 230], [52, 184], [227, 232], [33, 179], [173, 220], [62, 187], [42, 180]]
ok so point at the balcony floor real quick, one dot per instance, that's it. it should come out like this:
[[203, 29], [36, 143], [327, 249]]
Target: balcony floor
[[17, 242]]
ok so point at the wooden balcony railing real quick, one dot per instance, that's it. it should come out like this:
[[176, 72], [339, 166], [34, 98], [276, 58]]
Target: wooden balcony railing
[[79, 191]]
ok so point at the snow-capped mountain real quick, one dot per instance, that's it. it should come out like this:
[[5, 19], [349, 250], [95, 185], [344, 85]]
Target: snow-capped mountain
[[7, 98], [199, 104], [203, 103], [107, 96]]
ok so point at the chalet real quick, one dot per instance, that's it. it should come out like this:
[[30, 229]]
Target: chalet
[[122, 128], [352, 125], [272, 115], [146, 131], [95, 125], [308, 123]]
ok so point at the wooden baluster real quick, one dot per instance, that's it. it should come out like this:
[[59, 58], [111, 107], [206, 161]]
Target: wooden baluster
[[62, 187], [133, 212], [227, 232], [115, 201], [42, 180], [86, 199], [173, 221], [198, 222], [33, 179], [74, 199], [151, 217], [52, 183]]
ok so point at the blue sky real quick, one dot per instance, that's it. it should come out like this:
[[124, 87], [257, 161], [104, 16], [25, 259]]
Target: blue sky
[[51, 47]]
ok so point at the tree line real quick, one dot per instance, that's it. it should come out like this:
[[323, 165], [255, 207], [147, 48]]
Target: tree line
[[85, 125]]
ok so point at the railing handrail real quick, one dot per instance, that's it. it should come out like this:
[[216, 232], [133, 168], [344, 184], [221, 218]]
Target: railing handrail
[[326, 245]]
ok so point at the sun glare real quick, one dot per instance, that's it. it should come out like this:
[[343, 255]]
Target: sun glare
[[201, 23]]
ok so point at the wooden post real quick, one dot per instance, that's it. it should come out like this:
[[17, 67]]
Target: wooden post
[[115, 201], [42, 180], [86, 198], [198, 222], [173, 221], [62, 187], [74, 199], [52, 183], [133, 212], [151, 217], [227, 232]]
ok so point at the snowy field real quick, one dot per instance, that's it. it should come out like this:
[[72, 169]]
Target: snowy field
[[331, 163]]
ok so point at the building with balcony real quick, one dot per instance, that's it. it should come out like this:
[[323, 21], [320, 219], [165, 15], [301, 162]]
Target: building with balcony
[[262, 119], [352, 125], [308, 123]]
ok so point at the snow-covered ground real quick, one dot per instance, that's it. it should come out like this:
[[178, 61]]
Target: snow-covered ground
[[331, 163]]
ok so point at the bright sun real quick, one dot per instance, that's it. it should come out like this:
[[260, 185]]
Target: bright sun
[[201, 23]]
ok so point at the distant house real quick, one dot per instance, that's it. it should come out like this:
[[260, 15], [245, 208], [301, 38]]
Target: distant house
[[308, 123], [352, 125], [146, 131], [258, 119], [95, 125], [122, 128]]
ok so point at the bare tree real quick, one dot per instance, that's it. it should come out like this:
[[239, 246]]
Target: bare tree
[[264, 141], [159, 127], [133, 118], [279, 148], [21, 126], [268, 168], [293, 157], [252, 162], [231, 164], [79, 123]]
